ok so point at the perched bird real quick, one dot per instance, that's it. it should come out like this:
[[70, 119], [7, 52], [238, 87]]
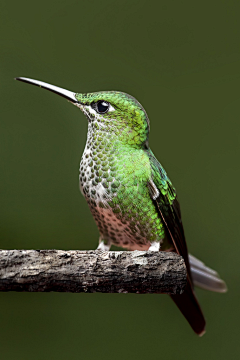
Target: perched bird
[[128, 191]]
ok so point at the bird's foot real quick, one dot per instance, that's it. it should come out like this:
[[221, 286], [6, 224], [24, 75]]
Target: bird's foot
[[104, 247], [155, 246]]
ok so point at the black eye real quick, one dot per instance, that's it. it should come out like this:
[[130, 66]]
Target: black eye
[[102, 106]]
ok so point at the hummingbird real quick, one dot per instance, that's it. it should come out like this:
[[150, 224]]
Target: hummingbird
[[130, 196]]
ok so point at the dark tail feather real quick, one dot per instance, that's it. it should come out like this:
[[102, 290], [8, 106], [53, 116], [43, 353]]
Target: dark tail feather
[[189, 307]]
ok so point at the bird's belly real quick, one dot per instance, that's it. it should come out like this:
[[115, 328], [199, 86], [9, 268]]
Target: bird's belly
[[117, 231]]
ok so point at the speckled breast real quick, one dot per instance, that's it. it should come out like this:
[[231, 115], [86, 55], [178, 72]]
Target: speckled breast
[[114, 182]]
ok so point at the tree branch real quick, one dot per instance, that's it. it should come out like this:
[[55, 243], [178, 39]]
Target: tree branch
[[92, 271]]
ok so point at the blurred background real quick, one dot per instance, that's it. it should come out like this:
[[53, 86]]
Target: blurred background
[[181, 60]]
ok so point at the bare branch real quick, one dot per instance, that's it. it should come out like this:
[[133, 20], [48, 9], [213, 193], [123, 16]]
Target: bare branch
[[92, 271]]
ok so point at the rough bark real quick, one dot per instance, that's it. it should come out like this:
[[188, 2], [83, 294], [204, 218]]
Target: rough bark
[[92, 271]]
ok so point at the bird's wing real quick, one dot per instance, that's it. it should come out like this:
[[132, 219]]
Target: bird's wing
[[168, 207], [165, 199]]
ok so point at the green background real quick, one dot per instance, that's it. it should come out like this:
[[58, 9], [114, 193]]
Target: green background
[[181, 60]]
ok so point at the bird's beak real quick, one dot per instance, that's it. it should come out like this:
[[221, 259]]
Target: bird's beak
[[69, 95]]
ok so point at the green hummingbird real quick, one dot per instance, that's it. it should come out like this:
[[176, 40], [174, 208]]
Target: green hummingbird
[[130, 196]]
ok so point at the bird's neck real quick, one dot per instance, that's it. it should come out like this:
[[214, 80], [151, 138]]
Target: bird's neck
[[105, 140]]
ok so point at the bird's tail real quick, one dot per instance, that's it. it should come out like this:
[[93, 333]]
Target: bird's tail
[[204, 277], [189, 307], [187, 303]]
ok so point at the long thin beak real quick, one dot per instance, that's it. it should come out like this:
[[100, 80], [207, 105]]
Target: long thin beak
[[69, 95]]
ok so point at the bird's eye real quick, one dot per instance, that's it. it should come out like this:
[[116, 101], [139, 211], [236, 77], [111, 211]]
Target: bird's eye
[[102, 106]]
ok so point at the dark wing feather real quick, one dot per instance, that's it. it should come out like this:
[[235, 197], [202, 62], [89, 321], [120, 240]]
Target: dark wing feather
[[169, 210]]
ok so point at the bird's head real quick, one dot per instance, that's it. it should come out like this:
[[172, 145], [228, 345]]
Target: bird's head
[[115, 112]]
